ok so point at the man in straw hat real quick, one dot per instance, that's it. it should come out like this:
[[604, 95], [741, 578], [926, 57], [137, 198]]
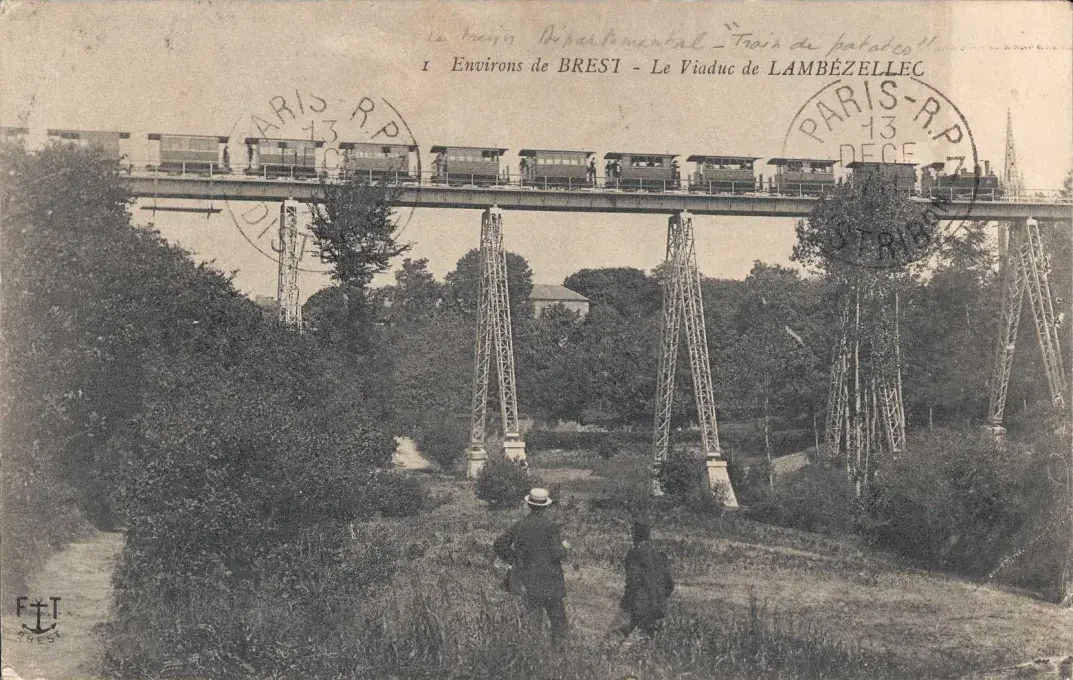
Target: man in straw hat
[[535, 550]]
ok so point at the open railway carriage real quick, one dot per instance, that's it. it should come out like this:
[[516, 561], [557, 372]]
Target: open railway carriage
[[802, 176], [904, 175], [466, 165], [378, 162], [960, 185], [554, 169], [199, 154], [111, 143], [650, 172], [723, 174], [14, 135], [281, 157]]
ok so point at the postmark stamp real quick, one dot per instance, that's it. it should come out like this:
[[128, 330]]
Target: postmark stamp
[[300, 138], [906, 130]]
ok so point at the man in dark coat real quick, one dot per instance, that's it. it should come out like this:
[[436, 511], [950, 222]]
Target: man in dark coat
[[648, 584], [535, 550]]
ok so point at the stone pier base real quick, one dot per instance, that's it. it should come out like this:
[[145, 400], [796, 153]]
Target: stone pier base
[[514, 449], [475, 457], [717, 475]]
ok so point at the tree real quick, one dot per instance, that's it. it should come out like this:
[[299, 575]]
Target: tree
[[463, 284], [355, 230], [354, 227], [628, 291], [551, 369], [776, 367], [432, 371], [416, 295], [948, 330], [619, 356]]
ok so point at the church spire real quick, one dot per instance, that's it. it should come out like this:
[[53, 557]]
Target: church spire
[[1012, 179]]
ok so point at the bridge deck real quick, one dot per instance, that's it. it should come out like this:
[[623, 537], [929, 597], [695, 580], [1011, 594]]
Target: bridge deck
[[233, 188]]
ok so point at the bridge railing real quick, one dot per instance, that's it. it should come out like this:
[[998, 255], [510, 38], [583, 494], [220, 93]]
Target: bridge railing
[[308, 173]]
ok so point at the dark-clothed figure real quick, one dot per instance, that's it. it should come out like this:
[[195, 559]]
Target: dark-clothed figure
[[535, 550], [648, 584]]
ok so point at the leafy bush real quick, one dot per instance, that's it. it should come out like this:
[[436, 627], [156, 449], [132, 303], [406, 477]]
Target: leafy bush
[[814, 498], [504, 483], [264, 631], [444, 442], [65, 377], [956, 499], [143, 389], [681, 473], [609, 447], [400, 494], [570, 440], [707, 501]]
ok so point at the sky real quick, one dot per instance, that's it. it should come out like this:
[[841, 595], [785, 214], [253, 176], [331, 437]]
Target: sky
[[207, 67]]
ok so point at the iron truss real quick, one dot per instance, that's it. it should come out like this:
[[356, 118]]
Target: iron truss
[[290, 312], [494, 337], [682, 305]]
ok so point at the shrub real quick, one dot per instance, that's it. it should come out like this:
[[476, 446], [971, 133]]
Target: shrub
[[444, 443], [570, 440], [707, 501], [814, 498], [956, 498], [400, 494], [503, 483], [609, 447], [681, 473]]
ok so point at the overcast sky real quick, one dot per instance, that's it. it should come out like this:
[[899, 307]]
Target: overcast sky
[[204, 67]]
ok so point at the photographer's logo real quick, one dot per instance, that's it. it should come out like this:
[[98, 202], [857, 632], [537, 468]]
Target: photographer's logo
[[43, 615]]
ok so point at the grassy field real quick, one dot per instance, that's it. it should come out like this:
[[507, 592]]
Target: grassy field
[[753, 601]]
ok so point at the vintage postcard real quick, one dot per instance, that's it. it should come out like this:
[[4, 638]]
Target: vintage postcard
[[536, 339]]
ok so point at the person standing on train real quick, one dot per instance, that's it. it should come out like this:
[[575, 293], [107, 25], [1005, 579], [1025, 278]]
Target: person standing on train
[[591, 174]]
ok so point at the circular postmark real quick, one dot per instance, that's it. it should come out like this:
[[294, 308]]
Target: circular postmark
[[300, 139], [902, 129]]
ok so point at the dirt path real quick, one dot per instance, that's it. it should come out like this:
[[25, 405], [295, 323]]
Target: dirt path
[[81, 576], [407, 457]]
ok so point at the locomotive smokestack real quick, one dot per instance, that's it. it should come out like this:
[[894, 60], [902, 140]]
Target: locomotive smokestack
[[987, 167]]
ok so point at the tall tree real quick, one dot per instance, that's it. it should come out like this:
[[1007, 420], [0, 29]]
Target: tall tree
[[628, 291], [355, 230], [416, 295], [552, 372], [463, 284]]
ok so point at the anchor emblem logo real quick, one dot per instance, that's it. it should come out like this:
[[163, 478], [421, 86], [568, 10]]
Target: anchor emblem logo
[[39, 606]]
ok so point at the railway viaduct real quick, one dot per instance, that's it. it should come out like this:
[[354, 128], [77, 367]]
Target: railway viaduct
[[146, 185]]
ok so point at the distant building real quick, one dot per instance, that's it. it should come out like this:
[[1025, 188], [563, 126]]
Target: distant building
[[546, 295], [268, 304]]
